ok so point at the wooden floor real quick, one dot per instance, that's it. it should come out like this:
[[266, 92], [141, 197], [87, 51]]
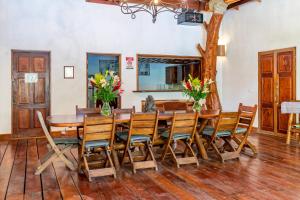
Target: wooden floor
[[273, 174]]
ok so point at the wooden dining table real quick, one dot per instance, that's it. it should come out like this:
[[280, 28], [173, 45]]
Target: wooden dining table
[[78, 121]]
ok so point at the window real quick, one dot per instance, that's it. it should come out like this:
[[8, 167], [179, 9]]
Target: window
[[99, 63], [165, 73]]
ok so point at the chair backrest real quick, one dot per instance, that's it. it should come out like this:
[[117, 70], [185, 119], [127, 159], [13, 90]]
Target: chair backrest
[[99, 128], [173, 106], [123, 110], [160, 108], [144, 124], [84, 111], [184, 123], [246, 116], [46, 131], [227, 121]]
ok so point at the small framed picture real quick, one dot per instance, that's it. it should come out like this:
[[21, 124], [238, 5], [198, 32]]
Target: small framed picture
[[69, 72]]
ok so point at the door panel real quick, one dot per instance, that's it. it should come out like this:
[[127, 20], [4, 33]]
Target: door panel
[[286, 88], [39, 95], [24, 118], [23, 92], [27, 96], [267, 92], [23, 63]]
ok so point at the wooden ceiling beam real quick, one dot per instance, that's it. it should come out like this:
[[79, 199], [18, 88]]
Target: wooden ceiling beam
[[196, 5], [236, 4]]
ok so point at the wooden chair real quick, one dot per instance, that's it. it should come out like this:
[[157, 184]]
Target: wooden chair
[[123, 110], [142, 132], [244, 128], [225, 126], [124, 126], [98, 135], [84, 111], [56, 152], [183, 128]]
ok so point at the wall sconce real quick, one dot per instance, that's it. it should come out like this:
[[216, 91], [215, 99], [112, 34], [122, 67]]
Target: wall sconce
[[221, 50]]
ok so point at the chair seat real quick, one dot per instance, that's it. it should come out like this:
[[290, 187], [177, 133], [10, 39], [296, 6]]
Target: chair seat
[[176, 136], [134, 138], [209, 132], [59, 141], [96, 143], [240, 130]]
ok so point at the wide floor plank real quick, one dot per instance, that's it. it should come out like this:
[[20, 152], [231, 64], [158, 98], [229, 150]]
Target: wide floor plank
[[16, 185], [273, 174], [6, 167]]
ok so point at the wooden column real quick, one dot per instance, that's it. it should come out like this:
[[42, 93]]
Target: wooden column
[[210, 59]]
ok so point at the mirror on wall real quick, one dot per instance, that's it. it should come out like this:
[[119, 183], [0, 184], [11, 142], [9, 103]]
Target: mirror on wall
[[165, 73]]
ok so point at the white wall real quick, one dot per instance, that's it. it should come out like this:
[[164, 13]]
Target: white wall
[[69, 29], [255, 27]]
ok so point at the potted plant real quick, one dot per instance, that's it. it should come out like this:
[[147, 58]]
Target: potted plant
[[108, 88], [196, 90]]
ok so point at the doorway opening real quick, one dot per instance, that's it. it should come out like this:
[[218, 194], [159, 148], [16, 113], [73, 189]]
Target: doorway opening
[[99, 63]]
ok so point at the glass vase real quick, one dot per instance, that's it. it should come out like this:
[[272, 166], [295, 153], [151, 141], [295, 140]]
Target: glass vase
[[105, 109], [197, 107]]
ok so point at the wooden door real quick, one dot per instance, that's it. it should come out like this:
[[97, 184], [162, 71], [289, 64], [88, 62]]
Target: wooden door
[[285, 85], [276, 84], [31, 91], [267, 91]]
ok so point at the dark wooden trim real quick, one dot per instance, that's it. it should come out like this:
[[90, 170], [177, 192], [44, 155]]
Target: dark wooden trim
[[5, 137], [103, 54], [159, 56], [145, 91]]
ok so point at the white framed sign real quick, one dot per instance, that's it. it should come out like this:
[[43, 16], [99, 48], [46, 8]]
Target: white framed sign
[[31, 77], [69, 72]]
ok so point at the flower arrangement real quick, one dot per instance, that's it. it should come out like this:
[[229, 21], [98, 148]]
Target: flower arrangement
[[108, 88], [197, 90]]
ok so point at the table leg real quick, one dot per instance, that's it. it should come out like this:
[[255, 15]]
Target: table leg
[[199, 141]]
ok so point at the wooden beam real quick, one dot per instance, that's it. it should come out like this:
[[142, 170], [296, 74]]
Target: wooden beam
[[240, 2], [196, 5]]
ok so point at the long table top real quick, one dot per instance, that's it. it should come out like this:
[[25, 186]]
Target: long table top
[[77, 120]]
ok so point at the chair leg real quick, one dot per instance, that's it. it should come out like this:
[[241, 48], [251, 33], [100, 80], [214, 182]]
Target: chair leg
[[45, 164], [131, 160], [64, 159], [174, 156], [193, 153], [149, 146], [86, 168], [111, 163], [217, 151]]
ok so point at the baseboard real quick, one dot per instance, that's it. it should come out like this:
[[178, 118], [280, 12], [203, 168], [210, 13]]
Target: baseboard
[[68, 133], [5, 137]]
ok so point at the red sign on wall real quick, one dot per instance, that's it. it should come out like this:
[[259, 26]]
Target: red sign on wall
[[129, 62]]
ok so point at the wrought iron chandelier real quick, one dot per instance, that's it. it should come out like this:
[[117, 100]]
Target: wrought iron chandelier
[[153, 7]]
